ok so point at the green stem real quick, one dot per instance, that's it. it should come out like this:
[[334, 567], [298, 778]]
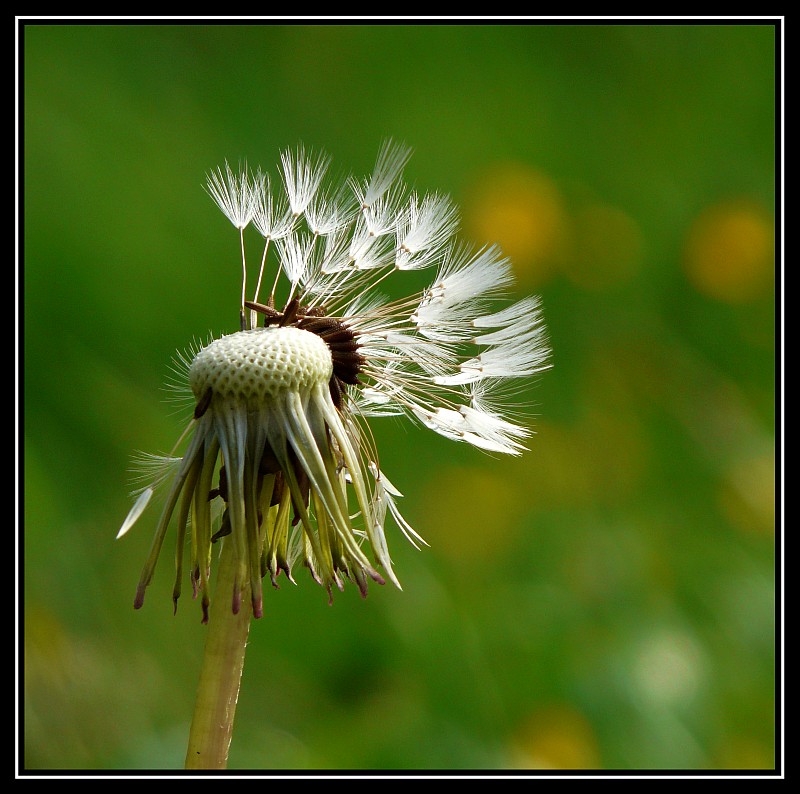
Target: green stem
[[218, 691]]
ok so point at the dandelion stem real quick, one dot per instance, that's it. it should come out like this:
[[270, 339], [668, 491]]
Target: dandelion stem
[[223, 659]]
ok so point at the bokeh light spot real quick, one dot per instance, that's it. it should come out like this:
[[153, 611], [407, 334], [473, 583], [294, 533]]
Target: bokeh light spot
[[523, 211], [668, 668], [748, 495], [556, 737], [729, 252]]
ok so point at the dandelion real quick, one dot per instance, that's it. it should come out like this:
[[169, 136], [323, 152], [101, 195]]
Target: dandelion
[[279, 463]]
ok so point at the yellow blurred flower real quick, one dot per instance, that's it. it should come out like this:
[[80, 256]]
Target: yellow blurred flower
[[522, 209], [729, 252], [556, 737], [748, 493]]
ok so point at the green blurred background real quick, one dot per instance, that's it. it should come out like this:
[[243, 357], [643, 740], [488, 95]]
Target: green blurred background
[[605, 601]]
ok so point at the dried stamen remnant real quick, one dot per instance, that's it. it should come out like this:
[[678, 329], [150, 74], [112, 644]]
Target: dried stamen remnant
[[222, 489], [269, 462], [224, 529], [202, 405]]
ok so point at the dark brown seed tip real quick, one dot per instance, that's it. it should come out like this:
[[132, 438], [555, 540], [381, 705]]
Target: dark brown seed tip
[[139, 599], [262, 308], [289, 313]]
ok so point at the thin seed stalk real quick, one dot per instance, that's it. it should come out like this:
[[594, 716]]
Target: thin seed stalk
[[221, 673]]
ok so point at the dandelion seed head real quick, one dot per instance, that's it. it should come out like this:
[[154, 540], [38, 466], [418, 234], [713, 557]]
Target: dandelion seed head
[[256, 365], [279, 459]]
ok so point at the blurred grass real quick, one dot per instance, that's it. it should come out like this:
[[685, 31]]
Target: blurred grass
[[605, 601]]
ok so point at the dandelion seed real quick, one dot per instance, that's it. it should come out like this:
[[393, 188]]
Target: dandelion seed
[[279, 459], [424, 230], [271, 216], [302, 175], [233, 193]]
